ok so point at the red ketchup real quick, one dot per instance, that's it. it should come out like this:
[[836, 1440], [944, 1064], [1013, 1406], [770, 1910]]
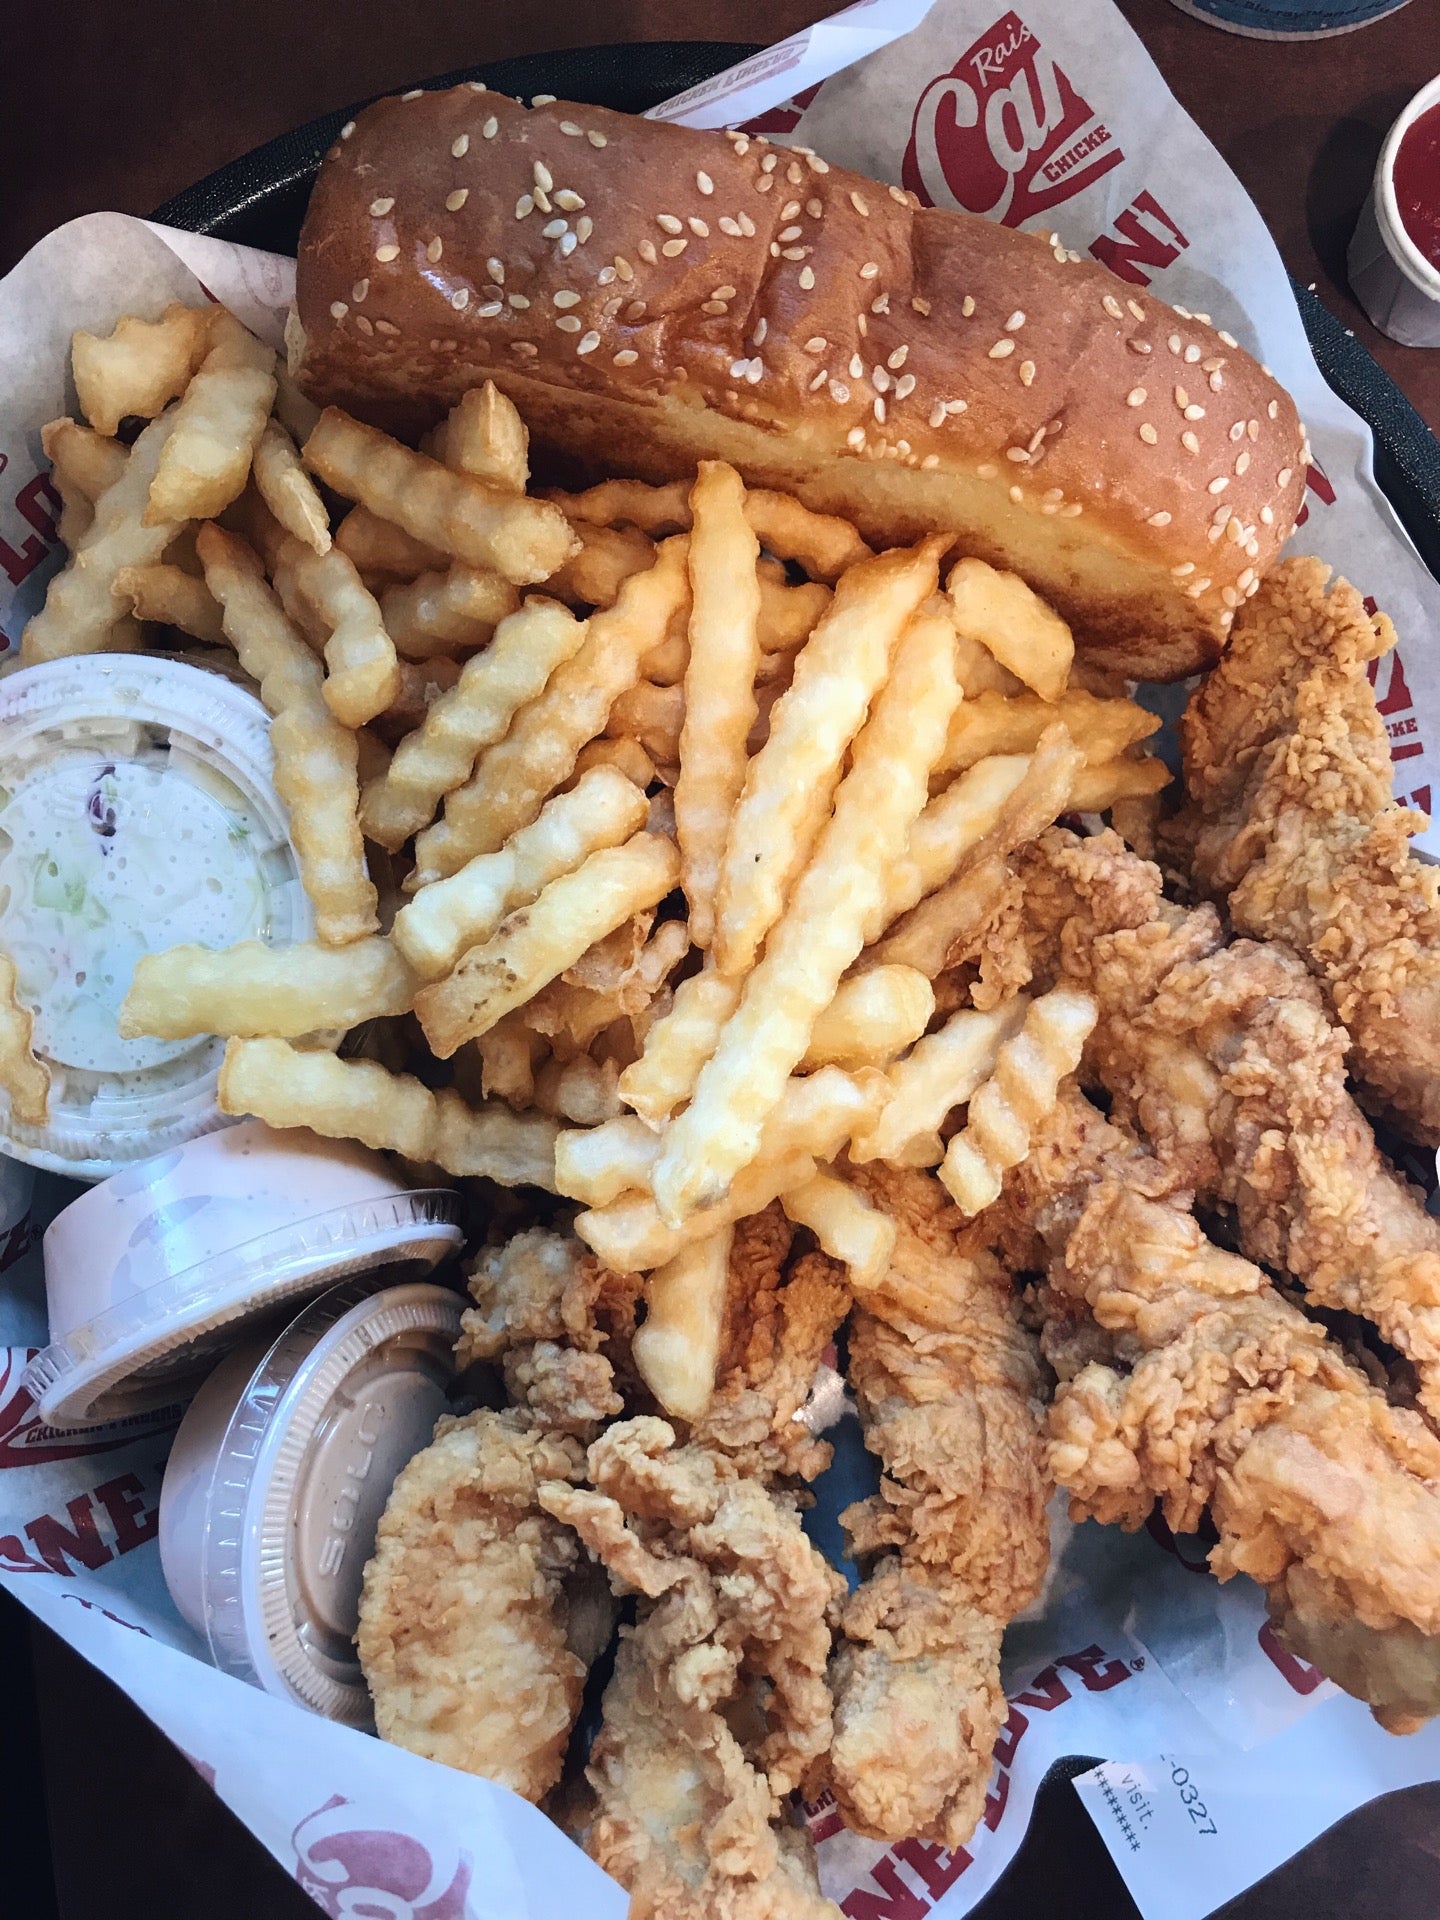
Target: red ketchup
[[1417, 183]]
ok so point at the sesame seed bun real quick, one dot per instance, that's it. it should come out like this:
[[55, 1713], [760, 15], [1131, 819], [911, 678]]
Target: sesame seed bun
[[651, 296]]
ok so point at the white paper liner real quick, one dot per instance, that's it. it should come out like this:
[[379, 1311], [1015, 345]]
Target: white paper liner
[[1134, 1651]]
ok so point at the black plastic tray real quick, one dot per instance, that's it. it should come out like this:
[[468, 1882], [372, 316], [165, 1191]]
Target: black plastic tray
[[260, 199]]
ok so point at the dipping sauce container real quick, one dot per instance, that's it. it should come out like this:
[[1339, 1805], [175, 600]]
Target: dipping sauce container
[[154, 1274], [1394, 259], [280, 1473]]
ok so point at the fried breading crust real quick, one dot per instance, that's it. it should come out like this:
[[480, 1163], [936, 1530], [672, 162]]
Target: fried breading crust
[[464, 1616]]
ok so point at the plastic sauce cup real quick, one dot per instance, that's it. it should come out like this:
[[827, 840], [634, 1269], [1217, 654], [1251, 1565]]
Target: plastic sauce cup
[[154, 1274], [1391, 274], [278, 1478], [137, 811]]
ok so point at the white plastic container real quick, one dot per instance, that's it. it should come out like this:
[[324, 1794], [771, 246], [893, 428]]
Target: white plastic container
[[137, 811], [1389, 275], [278, 1478], [154, 1274]]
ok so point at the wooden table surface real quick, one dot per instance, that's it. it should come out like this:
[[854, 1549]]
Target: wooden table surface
[[111, 106]]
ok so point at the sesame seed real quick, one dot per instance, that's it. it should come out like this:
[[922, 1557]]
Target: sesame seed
[[1139, 346], [359, 291], [588, 343], [1112, 307], [869, 270], [388, 252], [338, 309], [879, 409], [647, 253], [967, 306], [1252, 549], [814, 207], [1252, 427], [347, 129], [1072, 512], [1135, 397], [880, 379], [363, 323], [491, 309], [821, 377], [1182, 398], [1032, 445], [790, 233], [985, 471], [839, 392], [815, 163], [789, 211], [669, 223], [496, 269], [1194, 592], [1245, 578], [863, 324], [1192, 412], [957, 406], [1221, 515], [860, 204], [922, 307], [380, 207], [569, 126], [569, 200], [519, 301], [896, 360], [456, 200], [1185, 566], [769, 162], [817, 343], [704, 182], [460, 299], [1227, 339], [490, 128], [1001, 350], [713, 306], [1016, 320], [1017, 495], [597, 140], [807, 278], [931, 460], [434, 250], [1272, 411], [542, 100], [1173, 343], [1190, 443], [1161, 519], [747, 226], [1213, 534], [698, 227], [1284, 477], [1135, 308], [1219, 483], [881, 304], [857, 366], [1027, 372], [567, 323], [626, 357], [1267, 515], [461, 146], [1217, 381], [584, 227], [1016, 453], [524, 206], [727, 225], [525, 347], [1192, 354], [1243, 462], [1184, 312], [793, 174], [553, 229], [937, 414], [544, 179], [566, 297], [765, 182], [413, 94], [855, 438], [1148, 433], [1230, 596], [673, 248]]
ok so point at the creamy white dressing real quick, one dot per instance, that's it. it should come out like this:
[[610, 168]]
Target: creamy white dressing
[[102, 860]]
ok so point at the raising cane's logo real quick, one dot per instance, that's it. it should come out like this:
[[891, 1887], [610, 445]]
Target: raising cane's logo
[[356, 1865], [1004, 133]]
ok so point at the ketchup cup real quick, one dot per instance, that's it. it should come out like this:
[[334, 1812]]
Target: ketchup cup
[[1394, 258]]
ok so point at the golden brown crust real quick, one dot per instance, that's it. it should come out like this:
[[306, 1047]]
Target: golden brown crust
[[671, 295]]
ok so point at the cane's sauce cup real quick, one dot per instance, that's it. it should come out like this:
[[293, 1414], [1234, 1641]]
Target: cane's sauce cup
[[1394, 258]]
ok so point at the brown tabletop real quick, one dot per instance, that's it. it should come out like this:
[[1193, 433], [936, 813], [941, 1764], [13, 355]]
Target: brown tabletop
[[118, 106]]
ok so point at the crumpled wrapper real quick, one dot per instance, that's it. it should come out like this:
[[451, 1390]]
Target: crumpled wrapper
[[1225, 1753]]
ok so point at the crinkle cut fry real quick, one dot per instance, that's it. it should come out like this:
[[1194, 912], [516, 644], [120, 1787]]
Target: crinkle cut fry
[[1291, 826], [1320, 1490], [732, 1594], [1224, 1059], [948, 1388]]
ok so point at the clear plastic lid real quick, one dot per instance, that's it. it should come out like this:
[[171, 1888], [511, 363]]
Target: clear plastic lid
[[152, 1274], [137, 811], [333, 1410]]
